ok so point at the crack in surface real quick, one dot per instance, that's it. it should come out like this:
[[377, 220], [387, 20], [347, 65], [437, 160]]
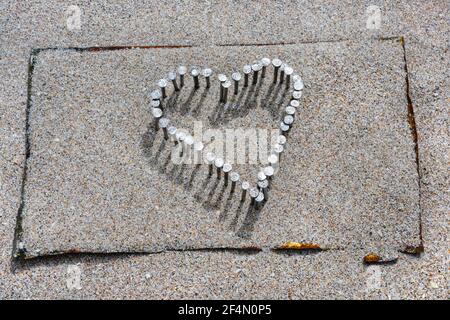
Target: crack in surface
[[413, 128], [17, 251]]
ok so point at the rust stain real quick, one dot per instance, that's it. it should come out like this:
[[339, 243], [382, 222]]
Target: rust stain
[[371, 258], [299, 246], [413, 128]]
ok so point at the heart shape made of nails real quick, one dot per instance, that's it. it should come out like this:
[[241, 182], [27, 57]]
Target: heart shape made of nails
[[253, 75]]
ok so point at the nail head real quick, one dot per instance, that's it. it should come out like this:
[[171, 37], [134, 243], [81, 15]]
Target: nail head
[[162, 83], [276, 62], [265, 62], [236, 76], [247, 69], [207, 72], [294, 103], [157, 112], [182, 70]]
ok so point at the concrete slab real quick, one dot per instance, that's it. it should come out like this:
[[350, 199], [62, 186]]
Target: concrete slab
[[78, 24], [334, 274], [192, 274], [99, 180], [285, 21]]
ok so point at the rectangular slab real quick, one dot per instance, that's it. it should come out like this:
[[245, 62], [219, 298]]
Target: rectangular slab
[[100, 179]]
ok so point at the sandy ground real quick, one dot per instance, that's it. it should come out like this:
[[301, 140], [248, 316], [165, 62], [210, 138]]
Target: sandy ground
[[235, 273]]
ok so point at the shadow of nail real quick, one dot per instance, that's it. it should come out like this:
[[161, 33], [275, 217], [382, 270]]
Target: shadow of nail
[[248, 224]]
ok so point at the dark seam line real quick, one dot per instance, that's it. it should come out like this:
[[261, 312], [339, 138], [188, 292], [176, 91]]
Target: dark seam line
[[254, 44], [127, 47], [16, 251], [111, 48], [59, 257], [283, 43], [413, 128], [302, 42]]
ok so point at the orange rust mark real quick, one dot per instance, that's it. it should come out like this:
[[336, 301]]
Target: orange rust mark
[[372, 258], [299, 246]]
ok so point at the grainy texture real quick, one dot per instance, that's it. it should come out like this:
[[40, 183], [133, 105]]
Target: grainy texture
[[189, 274], [348, 177]]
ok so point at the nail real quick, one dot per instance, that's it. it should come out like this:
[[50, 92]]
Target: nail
[[207, 74], [157, 113], [236, 77], [172, 132], [273, 164], [210, 157], [290, 110], [265, 63], [155, 95], [296, 95], [244, 186], [294, 103], [226, 170], [288, 71], [195, 74], [162, 83], [234, 177], [156, 104], [218, 163], [254, 192], [225, 86], [269, 171], [261, 176], [284, 128], [298, 85], [222, 78], [247, 70], [164, 123], [263, 187], [281, 140], [182, 71], [255, 68], [282, 73], [278, 149], [173, 77], [289, 120], [272, 159], [259, 200], [276, 65]]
